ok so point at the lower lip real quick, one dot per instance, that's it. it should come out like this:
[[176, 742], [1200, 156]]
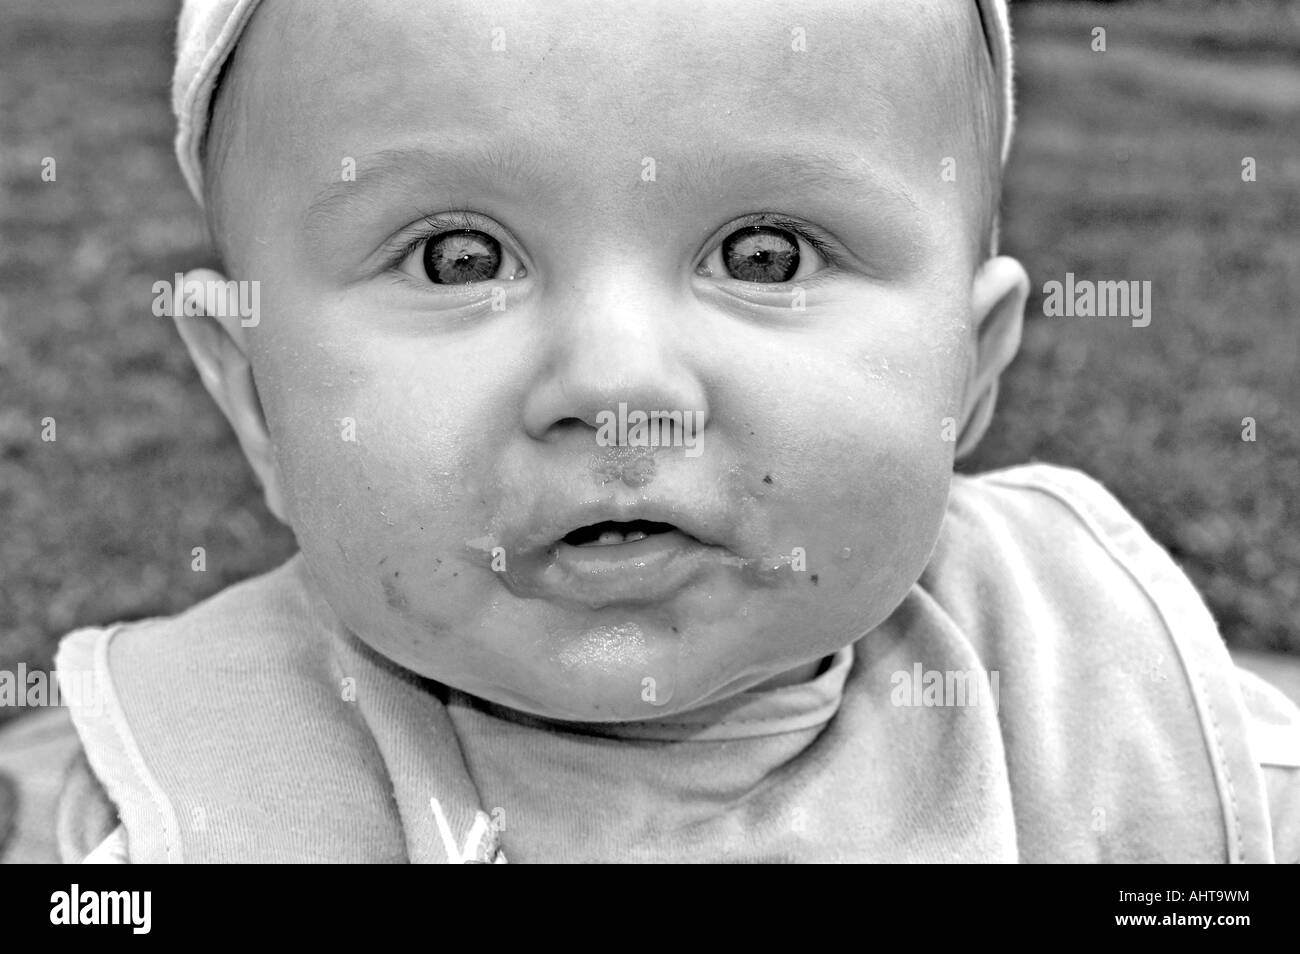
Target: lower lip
[[643, 571]]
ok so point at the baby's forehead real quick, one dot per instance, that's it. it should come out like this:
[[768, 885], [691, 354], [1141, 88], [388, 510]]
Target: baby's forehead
[[565, 68]]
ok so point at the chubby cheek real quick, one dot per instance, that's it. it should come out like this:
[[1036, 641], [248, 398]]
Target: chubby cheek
[[860, 476], [866, 511], [380, 481]]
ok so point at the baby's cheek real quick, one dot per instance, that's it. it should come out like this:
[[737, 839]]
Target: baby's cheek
[[889, 476], [341, 470]]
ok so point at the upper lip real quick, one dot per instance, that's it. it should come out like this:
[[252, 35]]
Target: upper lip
[[559, 521]]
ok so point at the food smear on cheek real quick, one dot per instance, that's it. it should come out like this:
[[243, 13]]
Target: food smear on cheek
[[394, 596]]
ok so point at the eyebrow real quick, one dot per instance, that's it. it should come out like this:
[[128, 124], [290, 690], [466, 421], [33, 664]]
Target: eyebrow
[[397, 173], [840, 171]]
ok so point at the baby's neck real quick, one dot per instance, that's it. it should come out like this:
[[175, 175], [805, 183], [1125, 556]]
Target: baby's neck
[[792, 677]]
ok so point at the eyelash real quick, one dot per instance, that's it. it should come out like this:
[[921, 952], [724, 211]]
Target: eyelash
[[777, 220], [405, 243], [780, 221]]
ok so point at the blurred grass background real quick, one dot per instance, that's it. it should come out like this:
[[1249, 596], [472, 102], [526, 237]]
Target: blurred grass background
[[1127, 166]]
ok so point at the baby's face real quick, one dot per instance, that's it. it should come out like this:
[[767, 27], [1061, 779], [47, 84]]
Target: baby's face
[[674, 208]]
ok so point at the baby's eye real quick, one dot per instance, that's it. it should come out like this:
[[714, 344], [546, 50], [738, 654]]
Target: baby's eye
[[766, 254], [464, 256], [460, 256]]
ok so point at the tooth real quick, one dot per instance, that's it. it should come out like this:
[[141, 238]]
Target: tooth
[[609, 537], [634, 536]]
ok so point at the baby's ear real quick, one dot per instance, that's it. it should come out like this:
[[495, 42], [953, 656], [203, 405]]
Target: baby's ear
[[998, 295], [218, 345]]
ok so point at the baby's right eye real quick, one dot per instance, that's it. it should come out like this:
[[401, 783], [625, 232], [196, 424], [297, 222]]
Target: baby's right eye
[[461, 257], [458, 256]]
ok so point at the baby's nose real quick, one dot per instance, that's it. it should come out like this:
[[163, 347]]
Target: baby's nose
[[612, 348]]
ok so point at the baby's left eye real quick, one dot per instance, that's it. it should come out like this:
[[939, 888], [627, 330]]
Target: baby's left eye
[[764, 254]]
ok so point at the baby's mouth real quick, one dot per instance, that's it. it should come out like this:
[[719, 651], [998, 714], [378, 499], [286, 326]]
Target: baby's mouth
[[615, 532], [612, 562]]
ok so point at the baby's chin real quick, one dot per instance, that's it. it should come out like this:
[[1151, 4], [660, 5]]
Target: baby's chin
[[605, 676], [620, 670], [626, 667]]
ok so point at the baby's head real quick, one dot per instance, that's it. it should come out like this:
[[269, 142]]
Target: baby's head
[[487, 235]]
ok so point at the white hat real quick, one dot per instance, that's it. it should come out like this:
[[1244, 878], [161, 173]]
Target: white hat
[[206, 34]]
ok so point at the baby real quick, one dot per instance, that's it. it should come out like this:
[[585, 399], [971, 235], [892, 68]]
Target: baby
[[609, 362]]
